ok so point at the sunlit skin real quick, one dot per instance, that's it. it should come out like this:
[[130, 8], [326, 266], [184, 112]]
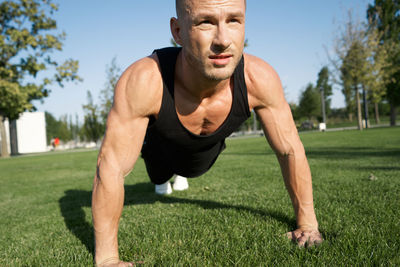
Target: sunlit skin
[[212, 36], [211, 33]]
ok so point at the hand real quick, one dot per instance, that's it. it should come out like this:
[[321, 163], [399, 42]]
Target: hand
[[114, 262], [305, 238]]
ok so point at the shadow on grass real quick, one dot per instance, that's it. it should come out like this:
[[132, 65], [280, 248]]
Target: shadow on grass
[[249, 153], [73, 201], [340, 152], [380, 168], [348, 152]]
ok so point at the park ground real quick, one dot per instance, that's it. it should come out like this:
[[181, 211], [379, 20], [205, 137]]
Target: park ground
[[234, 215]]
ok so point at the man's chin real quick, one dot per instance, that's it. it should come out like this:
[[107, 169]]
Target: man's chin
[[220, 74]]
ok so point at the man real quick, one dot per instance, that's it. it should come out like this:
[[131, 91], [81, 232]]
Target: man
[[178, 105]]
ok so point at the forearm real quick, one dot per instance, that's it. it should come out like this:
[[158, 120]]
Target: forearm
[[107, 204], [297, 177]]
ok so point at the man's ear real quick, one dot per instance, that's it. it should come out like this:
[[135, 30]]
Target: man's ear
[[176, 30]]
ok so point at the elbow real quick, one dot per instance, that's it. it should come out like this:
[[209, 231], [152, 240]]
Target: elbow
[[289, 151], [284, 153]]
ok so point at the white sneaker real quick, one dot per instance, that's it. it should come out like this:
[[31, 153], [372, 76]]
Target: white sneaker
[[180, 183], [164, 189]]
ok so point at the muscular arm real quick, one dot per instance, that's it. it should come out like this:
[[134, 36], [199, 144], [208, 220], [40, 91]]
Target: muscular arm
[[126, 127], [267, 98]]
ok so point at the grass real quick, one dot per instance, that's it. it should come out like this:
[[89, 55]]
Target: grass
[[235, 215]]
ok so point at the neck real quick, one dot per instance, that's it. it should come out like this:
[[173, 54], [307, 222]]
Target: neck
[[195, 84]]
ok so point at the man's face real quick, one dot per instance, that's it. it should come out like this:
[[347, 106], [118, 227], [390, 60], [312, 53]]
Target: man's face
[[212, 36]]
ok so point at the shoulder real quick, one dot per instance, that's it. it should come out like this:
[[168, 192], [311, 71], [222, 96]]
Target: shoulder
[[139, 89], [263, 83]]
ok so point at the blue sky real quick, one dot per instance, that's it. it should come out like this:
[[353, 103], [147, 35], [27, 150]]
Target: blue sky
[[289, 35]]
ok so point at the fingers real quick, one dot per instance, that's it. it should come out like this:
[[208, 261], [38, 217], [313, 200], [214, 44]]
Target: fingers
[[315, 239], [118, 263], [130, 264], [305, 238]]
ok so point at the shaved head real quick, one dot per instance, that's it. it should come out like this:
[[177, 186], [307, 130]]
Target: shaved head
[[211, 33], [181, 7]]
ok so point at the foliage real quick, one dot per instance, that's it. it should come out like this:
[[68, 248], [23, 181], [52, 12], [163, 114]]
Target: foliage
[[323, 84], [25, 49], [310, 102], [52, 127], [113, 72], [27, 70], [384, 16], [361, 63], [61, 128], [93, 129], [294, 108]]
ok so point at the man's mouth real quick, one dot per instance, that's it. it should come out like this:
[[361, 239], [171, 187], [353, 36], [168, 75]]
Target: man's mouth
[[220, 60]]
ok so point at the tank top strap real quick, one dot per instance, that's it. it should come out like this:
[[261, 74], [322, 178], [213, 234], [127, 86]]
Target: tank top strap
[[241, 101], [167, 58]]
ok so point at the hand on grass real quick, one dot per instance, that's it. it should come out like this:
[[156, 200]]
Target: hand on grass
[[116, 263], [305, 238]]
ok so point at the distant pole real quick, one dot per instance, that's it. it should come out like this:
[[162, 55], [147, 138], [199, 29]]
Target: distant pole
[[323, 105], [76, 127], [365, 108]]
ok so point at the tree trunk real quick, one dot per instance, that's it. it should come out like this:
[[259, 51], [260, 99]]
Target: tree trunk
[[392, 114], [323, 106], [377, 120], [13, 137], [4, 148], [365, 107], [358, 103]]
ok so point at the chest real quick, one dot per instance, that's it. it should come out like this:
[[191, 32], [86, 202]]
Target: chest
[[206, 116]]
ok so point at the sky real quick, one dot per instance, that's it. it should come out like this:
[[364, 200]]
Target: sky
[[292, 36]]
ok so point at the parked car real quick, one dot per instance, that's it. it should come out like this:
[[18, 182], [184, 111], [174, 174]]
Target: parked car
[[307, 125]]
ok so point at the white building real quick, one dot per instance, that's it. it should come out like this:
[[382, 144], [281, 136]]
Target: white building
[[31, 132]]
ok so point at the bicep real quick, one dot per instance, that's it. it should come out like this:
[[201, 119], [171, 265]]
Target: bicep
[[121, 145], [136, 98]]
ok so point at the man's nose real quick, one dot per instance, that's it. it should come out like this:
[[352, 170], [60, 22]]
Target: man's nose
[[222, 39]]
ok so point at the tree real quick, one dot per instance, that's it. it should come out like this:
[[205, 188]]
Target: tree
[[353, 64], [57, 128], [92, 127], [64, 132], [51, 126], [294, 108], [325, 89], [26, 43], [310, 103], [113, 72], [381, 71], [384, 15], [353, 73]]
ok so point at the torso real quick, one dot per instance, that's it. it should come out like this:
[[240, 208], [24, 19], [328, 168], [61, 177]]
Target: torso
[[205, 117]]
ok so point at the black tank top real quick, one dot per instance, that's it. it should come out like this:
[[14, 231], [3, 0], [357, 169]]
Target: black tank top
[[190, 154]]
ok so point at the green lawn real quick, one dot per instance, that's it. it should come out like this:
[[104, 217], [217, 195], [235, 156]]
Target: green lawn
[[236, 214]]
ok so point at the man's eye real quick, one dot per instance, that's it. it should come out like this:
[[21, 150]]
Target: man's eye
[[205, 22]]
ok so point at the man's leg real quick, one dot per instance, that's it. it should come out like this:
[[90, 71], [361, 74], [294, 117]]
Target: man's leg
[[160, 173], [163, 189], [180, 183]]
